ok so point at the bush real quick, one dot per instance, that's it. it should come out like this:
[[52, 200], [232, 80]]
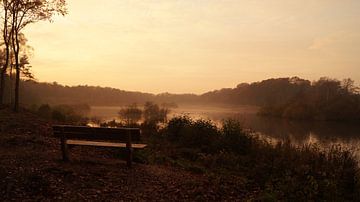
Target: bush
[[70, 114], [57, 115], [66, 114], [44, 111], [277, 172], [112, 124], [234, 138], [200, 134], [203, 134], [177, 126]]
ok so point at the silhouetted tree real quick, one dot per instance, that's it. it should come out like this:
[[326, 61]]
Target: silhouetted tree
[[5, 54], [23, 13], [153, 114], [325, 99], [130, 114], [349, 86]]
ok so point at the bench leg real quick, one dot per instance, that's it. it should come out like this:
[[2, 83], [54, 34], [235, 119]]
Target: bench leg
[[129, 157], [64, 150], [129, 149]]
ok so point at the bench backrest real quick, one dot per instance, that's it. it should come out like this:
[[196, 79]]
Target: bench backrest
[[97, 133]]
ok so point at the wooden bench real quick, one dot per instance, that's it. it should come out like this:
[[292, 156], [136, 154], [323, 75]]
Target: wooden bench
[[128, 138]]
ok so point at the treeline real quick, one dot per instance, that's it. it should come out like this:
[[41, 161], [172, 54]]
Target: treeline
[[325, 99], [53, 93], [33, 92], [262, 93], [272, 94]]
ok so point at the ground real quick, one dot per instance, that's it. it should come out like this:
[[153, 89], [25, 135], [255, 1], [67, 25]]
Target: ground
[[31, 169]]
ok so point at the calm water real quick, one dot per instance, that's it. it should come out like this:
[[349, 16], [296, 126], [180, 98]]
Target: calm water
[[324, 134]]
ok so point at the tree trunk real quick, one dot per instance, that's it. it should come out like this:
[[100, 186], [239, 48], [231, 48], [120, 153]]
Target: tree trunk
[[11, 84], [6, 38], [3, 74], [16, 47], [2, 86], [17, 85], [17, 77]]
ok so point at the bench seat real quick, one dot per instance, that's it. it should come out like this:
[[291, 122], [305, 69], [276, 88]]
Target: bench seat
[[128, 138], [103, 144]]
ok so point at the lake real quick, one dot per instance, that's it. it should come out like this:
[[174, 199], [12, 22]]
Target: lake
[[323, 133]]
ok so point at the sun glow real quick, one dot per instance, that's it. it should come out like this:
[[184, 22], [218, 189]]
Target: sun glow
[[196, 46]]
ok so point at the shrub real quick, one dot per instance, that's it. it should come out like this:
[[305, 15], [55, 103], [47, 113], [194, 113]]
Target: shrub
[[44, 111], [177, 126], [203, 134], [71, 114], [277, 172], [57, 115], [234, 138], [200, 134], [112, 124], [66, 114]]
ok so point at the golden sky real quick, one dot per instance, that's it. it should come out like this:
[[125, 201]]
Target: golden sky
[[195, 46]]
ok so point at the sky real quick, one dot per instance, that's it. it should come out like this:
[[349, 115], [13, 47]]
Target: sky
[[194, 46]]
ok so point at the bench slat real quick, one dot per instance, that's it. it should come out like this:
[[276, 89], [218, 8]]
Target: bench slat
[[103, 144], [95, 136]]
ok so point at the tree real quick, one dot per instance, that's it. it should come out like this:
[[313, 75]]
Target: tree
[[25, 68], [23, 13], [326, 89], [153, 114], [348, 85], [131, 114], [6, 32]]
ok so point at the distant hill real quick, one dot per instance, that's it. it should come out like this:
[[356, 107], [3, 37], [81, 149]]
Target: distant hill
[[265, 92], [271, 91], [53, 93]]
